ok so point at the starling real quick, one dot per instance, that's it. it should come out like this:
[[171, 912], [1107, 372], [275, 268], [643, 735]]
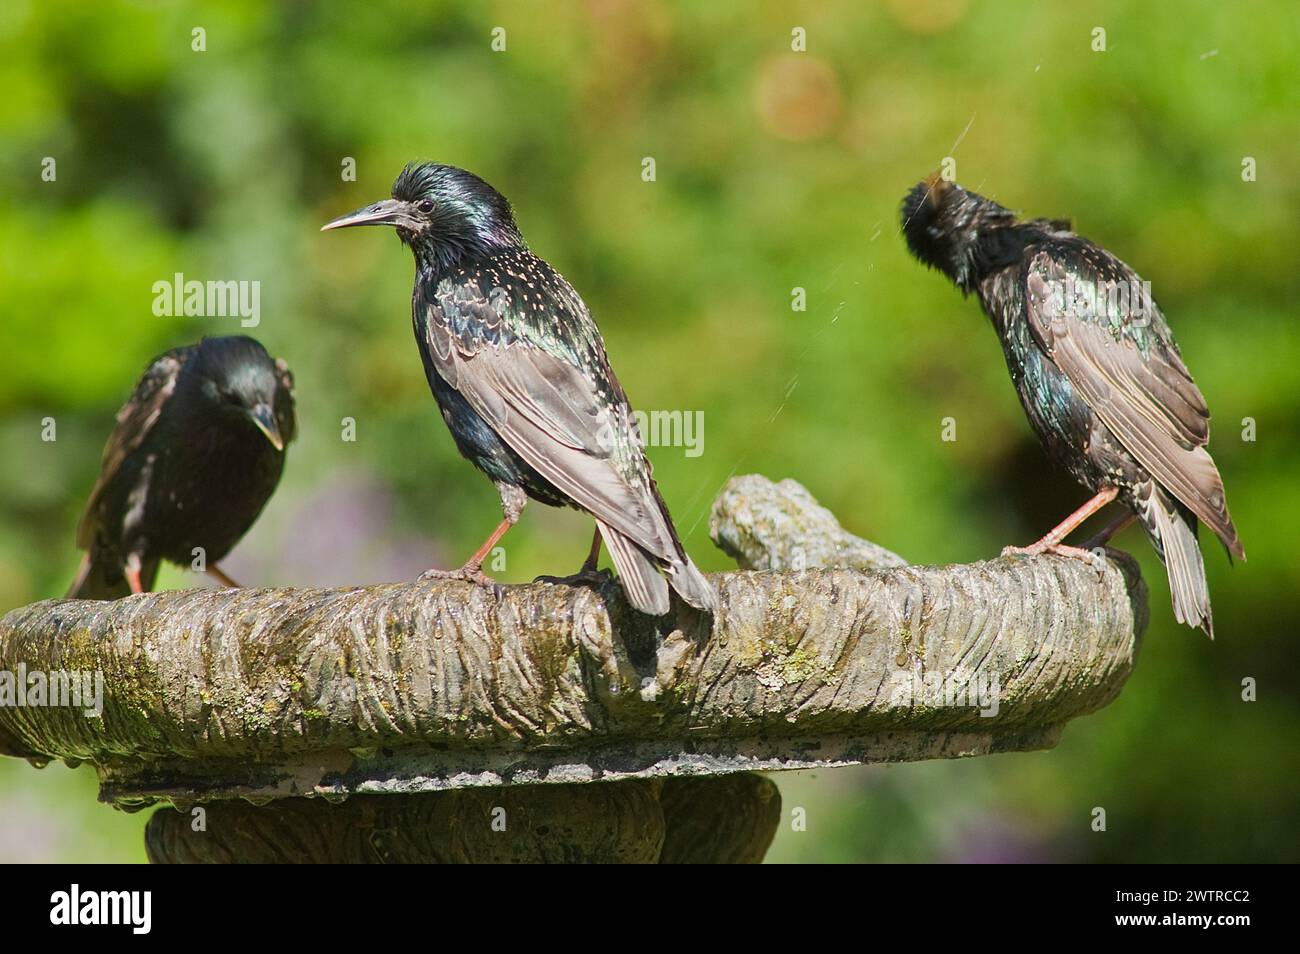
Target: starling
[[196, 454], [519, 371], [1097, 371]]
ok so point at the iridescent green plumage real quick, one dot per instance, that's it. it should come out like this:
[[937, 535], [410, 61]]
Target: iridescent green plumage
[[1096, 368], [519, 370]]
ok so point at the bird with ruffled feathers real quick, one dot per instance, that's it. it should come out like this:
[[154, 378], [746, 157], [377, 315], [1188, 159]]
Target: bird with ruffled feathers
[[1098, 373]]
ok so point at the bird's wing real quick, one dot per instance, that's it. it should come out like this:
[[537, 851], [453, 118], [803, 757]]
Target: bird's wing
[[134, 421], [555, 403], [1125, 365]]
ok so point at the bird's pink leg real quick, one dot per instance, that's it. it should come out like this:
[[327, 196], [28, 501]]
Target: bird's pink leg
[[219, 575], [481, 553], [1051, 543], [473, 568], [512, 505], [131, 568]]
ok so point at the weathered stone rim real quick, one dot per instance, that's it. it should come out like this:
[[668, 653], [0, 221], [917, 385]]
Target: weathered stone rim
[[338, 774], [426, 686]]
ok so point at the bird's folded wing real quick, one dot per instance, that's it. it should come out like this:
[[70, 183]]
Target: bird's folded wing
[[552, 413], [134, 421], [1148, 400]]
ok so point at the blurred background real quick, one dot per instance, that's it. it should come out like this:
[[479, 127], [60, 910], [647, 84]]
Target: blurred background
[[774, 170]]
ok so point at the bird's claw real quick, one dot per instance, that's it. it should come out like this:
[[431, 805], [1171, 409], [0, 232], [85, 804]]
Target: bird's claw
[[470, 572], [1092, 556], [584, 577]]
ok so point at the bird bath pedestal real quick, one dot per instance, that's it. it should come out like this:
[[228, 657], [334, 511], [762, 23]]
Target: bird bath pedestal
[[440, 721]]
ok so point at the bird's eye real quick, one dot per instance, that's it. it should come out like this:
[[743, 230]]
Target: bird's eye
[[425, 206]]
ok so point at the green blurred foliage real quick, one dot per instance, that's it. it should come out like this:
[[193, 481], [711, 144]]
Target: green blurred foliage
[[775, 169]]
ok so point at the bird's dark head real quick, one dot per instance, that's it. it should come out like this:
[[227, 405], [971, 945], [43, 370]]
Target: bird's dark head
[[235, 377], [443, 213], [952, 230]]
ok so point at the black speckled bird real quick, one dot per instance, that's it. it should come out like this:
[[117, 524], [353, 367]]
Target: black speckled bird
[[196, 454], [519, 370], [1097, 371]]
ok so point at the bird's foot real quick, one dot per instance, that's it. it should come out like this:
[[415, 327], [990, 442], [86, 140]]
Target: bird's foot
[[220, 576], [471, 572], [587, 576], [1057, 549]]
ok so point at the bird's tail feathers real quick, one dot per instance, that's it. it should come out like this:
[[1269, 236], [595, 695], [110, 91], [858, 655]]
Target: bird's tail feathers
[[642, 576], [639, 575], [98, 578], [690, 584], [683, 575], [1174, 534]]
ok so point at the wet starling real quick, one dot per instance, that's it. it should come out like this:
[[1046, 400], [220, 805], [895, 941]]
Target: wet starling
[[519, 371], [196, 454], [1097, 371]]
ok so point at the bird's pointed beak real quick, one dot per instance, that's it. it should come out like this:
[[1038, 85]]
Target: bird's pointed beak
[[937, 187], [264, 418], [387, 212]]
